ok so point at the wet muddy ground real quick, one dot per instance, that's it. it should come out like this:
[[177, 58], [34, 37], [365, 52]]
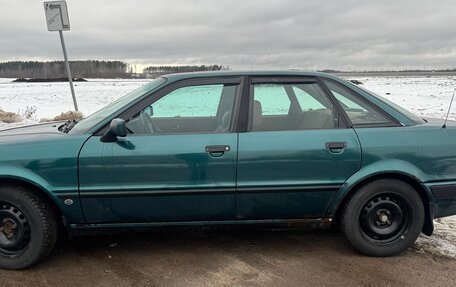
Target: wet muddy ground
[[239, 257]]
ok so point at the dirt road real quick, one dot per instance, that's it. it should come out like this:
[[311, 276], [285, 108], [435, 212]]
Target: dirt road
[[238, 257]]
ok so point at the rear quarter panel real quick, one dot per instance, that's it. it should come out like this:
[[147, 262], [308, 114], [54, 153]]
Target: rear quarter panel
[[423, 152]]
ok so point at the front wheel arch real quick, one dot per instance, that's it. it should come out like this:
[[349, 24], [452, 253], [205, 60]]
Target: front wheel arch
[[35, 189], [428, 227]]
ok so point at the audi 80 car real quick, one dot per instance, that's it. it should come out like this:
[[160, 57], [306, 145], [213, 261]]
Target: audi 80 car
[[227, 148]]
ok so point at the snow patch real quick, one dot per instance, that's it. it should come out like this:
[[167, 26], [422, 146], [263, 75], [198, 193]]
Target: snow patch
[[442, 242]]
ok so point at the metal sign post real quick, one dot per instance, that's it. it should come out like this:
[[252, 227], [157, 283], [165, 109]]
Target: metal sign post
[[57, 20], [68, 70]]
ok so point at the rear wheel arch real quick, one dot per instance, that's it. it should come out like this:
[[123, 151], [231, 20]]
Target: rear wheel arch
[[428, 226]]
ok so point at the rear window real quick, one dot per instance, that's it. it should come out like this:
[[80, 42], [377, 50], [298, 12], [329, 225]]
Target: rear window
[[416, 119], [359, 112]]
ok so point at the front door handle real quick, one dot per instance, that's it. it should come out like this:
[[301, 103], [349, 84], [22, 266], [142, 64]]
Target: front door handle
[[336, 147], [217, 150]]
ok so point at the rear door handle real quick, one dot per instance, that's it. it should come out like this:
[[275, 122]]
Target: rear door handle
[[336, 146], [217, 150]]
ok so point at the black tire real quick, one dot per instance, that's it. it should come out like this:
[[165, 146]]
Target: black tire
[[383, 218], [28, 228]]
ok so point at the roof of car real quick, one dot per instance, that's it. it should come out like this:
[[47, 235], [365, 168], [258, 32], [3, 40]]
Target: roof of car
[[182, 76]]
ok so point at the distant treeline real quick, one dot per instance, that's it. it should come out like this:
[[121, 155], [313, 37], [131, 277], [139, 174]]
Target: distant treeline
[[181, 69], [56, 69], [389, 71], [46, 80], [92, 69]]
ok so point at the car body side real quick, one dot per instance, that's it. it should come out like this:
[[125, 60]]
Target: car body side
[[423, 155]]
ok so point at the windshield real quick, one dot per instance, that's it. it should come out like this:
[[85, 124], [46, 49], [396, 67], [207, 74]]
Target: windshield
[[398, 108], [98, 116]]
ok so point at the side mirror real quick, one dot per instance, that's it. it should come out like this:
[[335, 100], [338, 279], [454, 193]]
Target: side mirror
[[117, 128], [149, 111]]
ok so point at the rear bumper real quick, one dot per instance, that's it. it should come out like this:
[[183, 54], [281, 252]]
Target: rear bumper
[[444, 199]]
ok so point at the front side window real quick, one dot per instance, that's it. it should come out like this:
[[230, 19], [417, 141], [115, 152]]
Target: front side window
[[297, 106], [359, 112], [192, 109], [100, 115]]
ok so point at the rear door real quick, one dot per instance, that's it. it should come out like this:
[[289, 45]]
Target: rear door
[[296, 153]]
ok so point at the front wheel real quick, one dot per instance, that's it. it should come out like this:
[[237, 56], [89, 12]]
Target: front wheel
[[28, 229], [383, 218]]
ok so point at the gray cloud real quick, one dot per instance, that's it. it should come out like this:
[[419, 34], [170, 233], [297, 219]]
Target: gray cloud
[[267, 34]]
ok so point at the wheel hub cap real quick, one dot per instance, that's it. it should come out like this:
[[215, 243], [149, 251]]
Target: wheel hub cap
[[14, 229], [8, 227], [384, 218]]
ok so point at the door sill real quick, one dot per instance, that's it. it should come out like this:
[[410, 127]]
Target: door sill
[[102, 228]]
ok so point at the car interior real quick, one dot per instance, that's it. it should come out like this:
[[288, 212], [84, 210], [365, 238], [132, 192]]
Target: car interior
[[312, 110], [296, 118], [146, 123]]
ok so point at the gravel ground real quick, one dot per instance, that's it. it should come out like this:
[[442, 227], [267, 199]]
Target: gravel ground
[[239, 257]]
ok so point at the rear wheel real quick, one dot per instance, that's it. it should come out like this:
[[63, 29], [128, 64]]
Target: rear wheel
[[383, 218], [28, 229]]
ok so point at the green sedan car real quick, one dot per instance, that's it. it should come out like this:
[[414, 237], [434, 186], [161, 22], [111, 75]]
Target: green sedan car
[[227, 148]]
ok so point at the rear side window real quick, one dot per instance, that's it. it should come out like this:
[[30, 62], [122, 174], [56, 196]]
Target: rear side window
[[294, 106], [273, 98], [310, 97], [359, 112]]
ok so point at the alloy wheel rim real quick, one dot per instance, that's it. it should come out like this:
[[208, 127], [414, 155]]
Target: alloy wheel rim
[[14, 229]]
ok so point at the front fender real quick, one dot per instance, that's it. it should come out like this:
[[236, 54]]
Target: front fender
[[56, 195]]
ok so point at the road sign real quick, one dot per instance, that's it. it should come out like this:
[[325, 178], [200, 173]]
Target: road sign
[[57, 20], [57, 16]]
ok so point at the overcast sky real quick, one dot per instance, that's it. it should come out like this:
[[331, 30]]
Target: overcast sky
[[265, 34]]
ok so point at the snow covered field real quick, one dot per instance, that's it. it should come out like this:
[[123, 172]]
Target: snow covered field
[[428, 97], [51, 99], [425, 96]]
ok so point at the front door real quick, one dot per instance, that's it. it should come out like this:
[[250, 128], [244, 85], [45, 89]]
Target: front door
[[177, 163], [296, 154]]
